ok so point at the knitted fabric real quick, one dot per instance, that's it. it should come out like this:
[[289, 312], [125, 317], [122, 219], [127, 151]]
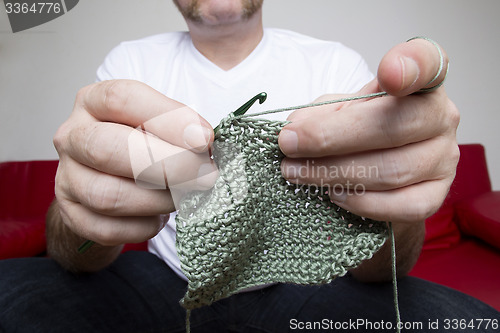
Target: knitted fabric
[[254, 227]]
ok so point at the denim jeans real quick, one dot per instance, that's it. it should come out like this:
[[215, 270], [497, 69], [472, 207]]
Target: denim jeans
[[140, 293]]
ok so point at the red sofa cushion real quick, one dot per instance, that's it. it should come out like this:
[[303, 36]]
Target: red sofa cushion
[[472, 179], [21, 237], [480, 217], [27, 188], [473, 267], [26, 192]]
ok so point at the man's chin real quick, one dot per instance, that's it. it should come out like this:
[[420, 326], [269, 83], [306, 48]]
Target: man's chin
[[219, 14]]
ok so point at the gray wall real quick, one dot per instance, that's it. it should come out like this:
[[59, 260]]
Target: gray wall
[[41, 69]]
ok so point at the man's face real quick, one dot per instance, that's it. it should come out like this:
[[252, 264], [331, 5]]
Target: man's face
[[218, 12]]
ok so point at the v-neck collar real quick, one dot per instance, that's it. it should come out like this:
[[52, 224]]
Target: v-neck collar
[[227, 78]]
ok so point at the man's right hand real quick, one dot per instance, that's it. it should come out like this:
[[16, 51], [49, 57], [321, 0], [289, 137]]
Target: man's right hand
[[101, 146]]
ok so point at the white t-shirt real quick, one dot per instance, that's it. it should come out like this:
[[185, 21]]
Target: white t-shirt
[[291, 68]]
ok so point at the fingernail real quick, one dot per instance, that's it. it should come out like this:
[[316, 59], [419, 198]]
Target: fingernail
[[288, 141], [338, 196], [197, 137], [410, 72], [207, 175]]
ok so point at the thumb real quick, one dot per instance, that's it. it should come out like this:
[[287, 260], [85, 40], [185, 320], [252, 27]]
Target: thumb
[[409, 67]]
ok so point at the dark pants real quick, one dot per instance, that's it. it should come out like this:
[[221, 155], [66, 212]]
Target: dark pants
[[140, 293]]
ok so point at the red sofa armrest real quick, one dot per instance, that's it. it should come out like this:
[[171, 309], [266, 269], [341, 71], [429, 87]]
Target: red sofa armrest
[[21, 237], [26, 190], [480, 217]]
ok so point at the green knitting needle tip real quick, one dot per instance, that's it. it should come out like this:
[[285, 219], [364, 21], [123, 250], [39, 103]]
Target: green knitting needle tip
[[244, 108], [85, 246]]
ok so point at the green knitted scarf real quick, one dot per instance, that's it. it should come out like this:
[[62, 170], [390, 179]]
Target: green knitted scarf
[[254, 227]]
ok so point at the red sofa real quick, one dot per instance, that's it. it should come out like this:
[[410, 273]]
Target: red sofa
[[462, 243], [462, 246], [26, 191]]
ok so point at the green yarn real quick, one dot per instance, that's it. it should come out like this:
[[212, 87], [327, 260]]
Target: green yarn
[[255, 228], [394, 278]]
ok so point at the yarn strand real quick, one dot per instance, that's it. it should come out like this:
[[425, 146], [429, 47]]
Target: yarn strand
[[394, 279], [310, 105], [188, 321]]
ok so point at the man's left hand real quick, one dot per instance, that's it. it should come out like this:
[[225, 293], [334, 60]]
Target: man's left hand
[[389, 158]]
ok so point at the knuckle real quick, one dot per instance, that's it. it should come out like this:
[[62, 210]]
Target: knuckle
[[394, 171], [452, 162], [102, 196], [116, 96], [313, 137], [138, 230], [93, 147], [453, 115], [446, 158], [107, 236], [66, 213], [392, 124], [421, 209], [63, 207], [424, 204], [319, 138], [59, 182], [455, 154], [65, 184], [80, 95], [60, 138], [448, 115]]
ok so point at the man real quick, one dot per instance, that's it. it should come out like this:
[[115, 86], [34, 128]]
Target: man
[[225, 59]]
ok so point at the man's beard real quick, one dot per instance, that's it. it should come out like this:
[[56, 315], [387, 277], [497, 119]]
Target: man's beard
[[192, 12]]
